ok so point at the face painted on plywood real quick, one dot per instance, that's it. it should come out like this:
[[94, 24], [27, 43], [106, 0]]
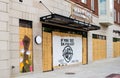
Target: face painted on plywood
[[26, 42]]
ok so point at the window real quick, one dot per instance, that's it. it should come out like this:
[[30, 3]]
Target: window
[[96, 36], [102, 7], [84, 1], [114, 15], [92, 5], [118, 1], [118, 17]]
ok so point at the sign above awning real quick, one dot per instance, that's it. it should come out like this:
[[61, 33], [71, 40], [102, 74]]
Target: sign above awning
[[81, 13], [68, 22]]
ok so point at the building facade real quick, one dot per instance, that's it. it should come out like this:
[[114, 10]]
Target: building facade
[[38, 36]]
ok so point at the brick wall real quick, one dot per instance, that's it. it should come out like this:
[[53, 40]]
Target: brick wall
[[88, 5], [117, 8]]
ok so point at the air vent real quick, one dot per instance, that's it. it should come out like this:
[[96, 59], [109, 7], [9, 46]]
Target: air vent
[[70, 73]]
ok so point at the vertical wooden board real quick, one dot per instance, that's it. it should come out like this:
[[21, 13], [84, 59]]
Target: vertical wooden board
[[84, 51], [118, 48], [102, 49], [47, 54], [95, 41], [114, 49], [103, 44], [99, 53], [94, 46]]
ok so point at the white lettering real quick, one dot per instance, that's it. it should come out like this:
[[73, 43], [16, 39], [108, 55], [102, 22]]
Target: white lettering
[[82, 13]]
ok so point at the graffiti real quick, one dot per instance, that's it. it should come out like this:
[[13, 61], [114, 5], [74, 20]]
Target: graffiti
[[67, 53], [26, 62], [25, 53], [67, 50]]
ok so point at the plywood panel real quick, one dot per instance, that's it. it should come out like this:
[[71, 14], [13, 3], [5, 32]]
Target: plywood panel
[[47, 52], [116, 51], [99, 49], [26, 48], [84, 51], [77, 51]]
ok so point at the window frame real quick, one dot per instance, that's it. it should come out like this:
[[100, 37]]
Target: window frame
[[84, 1], [93, 5], [103, 10], [118, 17], [115, 17]]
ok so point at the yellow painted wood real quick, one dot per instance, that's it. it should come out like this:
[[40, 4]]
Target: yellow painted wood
[[23, 31], [47, 51], [84, 61], [66, 34], [99, 49], [116, 49]]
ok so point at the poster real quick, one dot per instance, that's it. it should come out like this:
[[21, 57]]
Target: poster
[[66, 50]]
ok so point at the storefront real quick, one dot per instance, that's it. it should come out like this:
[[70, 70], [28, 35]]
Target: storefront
[[64, 41]]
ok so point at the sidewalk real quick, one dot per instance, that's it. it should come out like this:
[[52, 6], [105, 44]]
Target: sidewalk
[[99, 69]]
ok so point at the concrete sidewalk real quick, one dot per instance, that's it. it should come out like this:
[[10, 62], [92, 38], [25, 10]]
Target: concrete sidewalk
[[99, 69]]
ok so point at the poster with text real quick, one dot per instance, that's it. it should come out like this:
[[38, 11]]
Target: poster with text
[[67, 50]]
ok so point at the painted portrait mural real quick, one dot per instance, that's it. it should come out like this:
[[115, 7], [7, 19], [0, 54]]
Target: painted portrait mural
[[67, 49], [25, 42]]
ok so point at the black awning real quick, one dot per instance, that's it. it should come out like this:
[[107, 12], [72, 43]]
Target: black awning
[[68, 22]]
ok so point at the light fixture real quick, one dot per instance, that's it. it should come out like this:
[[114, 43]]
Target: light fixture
[[38, 40]]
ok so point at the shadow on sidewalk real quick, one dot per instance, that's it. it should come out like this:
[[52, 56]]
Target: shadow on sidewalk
[[113, 76]]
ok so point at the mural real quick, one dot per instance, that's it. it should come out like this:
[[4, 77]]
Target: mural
[[26, 50], [67, 50], [67, 53]]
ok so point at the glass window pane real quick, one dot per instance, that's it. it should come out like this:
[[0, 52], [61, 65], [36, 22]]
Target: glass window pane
[[102, 7], [84, 1], [92, 4]]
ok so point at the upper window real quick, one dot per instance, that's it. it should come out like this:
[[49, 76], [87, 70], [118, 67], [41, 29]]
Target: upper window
[[102, 7], [114, 15], [92, 5], [84, 1], [118, 1], [118, 17]]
